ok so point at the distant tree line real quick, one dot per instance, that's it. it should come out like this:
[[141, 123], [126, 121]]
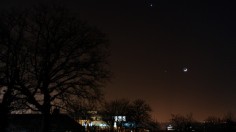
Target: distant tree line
[[186, 123]]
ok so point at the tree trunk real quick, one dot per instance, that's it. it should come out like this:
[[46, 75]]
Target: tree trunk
[[46, 121], [5, 110], [4, 118], [46, 113]]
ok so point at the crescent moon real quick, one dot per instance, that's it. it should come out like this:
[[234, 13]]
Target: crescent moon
[[185, 69]]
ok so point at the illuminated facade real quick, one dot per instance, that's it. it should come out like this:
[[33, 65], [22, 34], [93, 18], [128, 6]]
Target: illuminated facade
[[93, 122]]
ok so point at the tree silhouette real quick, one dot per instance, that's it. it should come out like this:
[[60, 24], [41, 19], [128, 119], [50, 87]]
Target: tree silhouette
[[137, 112], [140, 113], [50, 57], [113, 108], [215, 124], [182, 123], [229, 121]]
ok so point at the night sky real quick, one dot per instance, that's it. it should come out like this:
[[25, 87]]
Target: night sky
[[152, 41]]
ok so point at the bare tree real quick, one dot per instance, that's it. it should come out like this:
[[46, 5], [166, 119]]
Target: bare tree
[[50, 57], [229, 121], [140, 113], [229, 117], [213, 120], [137, 113], [113, 108], [183, 123], [213, 124]]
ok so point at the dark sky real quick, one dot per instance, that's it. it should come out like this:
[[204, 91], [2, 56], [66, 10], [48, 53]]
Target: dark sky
[[150, 46]]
